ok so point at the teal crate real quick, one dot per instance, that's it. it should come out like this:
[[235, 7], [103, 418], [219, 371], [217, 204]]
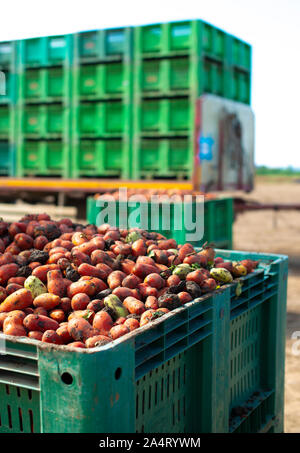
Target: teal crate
[[7, 158], [6, 121], [45, 121], [43, 158], [8, 67], [101, 158], [103, 45], [171, 220], [7, 54], [10, 95], [7, 138], [39, 85], [45, 51], [171, 376], [156, 158]]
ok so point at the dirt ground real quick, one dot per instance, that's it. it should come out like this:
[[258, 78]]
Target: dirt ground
[[279, 232]]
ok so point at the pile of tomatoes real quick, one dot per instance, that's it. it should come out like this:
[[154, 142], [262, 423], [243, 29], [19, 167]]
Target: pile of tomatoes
[[84, 286]]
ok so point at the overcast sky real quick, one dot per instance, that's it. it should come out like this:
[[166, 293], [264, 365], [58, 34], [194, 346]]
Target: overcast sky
[[272, 27]]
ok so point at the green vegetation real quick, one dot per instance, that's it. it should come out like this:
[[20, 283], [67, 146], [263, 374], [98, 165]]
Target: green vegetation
[[285, 172]]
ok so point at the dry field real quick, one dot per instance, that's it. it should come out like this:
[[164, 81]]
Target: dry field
[[279, 232]]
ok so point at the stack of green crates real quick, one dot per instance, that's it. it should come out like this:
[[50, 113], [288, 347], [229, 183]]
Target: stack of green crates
[[116, 103], [174, 64], [44, 109], [7, 109], [102, 104]]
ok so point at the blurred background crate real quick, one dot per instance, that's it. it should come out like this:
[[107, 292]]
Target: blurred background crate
[[43, 158], [45, 85], [162, 157], [45, 51], [7, 158], [174, 64], [101, 157], [8, 109]]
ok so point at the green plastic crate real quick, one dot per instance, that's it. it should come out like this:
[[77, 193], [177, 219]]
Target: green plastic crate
[[240, 54], [171, 376], [171, 220], [162, 157], [7, 158], [165, 75], [184, 37], [103, 45], [164, 116], [43, 121], [101, 158], [45, 85], [8, 67], [102, 80], [43, 158], [257, 346], [7, 54], [101, 119], [45, 51], [214, 80], [178, 76], [6, 115]]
